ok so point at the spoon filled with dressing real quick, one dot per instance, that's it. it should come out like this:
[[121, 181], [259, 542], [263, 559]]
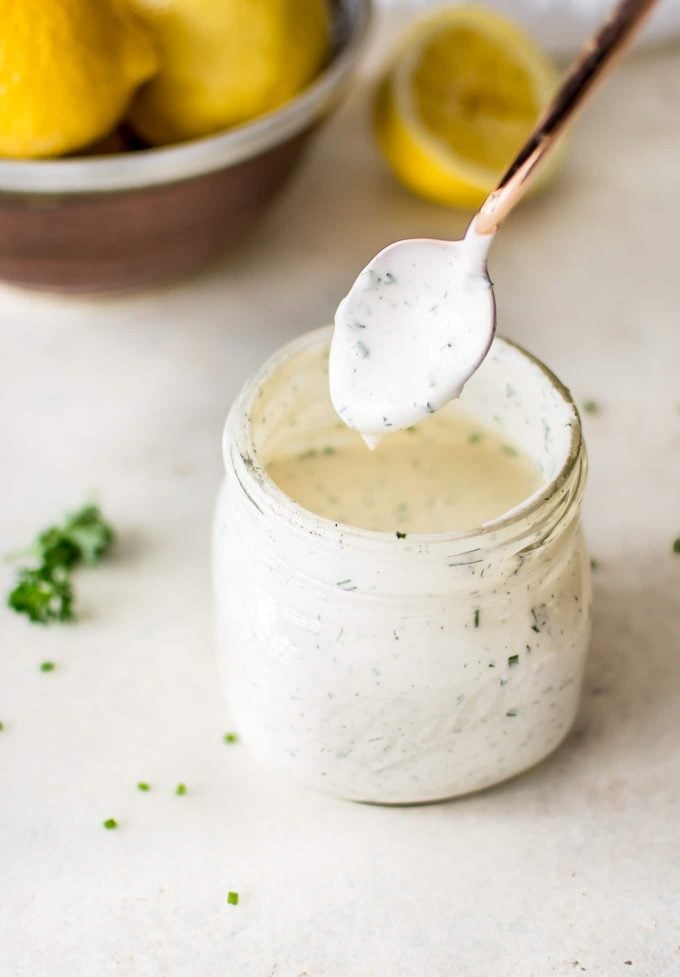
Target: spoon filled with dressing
[[421, 317]]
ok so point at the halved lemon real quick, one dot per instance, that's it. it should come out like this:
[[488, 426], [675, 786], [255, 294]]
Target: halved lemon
[[462, 94]]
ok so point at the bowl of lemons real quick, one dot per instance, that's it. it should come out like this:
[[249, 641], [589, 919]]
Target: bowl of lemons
[[139, 138]]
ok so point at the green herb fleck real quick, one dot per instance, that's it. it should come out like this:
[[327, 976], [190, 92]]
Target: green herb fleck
[[143, 786], [110, 824], [477, 618], [474, 438], [181, 790], [539, 617], [511, 713], [591, 407], [594, 565], [44, 592], [411, 430], [232, 898], [401, 535], [47, 667], [231, 737], [676, 545], [346, 585], [90, 533], [513, 660], [329, 450]]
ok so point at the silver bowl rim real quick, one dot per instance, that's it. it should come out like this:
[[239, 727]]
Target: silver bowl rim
[[136, 170]]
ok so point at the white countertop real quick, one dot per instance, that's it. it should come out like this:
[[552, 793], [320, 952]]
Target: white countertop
[[571, 868]]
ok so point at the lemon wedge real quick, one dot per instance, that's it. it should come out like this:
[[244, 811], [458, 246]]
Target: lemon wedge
[[461, 96]]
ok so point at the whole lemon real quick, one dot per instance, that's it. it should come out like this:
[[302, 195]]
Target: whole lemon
[[226, 61], [68, 69]]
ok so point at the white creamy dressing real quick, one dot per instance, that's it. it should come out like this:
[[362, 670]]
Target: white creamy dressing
[[447, 473], [394, 666], [405, 663], [414, 327]]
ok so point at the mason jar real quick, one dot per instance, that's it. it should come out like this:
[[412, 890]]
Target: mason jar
[[395, 670]]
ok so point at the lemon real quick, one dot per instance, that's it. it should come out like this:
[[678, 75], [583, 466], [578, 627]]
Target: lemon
[[226, 61], [459, 100], [68, 69]]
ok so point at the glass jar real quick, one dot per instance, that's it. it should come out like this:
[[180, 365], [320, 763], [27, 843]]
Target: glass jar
[[400, 670]]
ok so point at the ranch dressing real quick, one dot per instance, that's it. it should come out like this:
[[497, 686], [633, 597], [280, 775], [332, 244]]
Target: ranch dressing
[[395, 665], [415, 325], [447, 473]]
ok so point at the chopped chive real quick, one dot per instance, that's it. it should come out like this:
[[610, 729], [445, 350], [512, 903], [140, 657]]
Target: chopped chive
[[231, 737], [143, 786], [401, 535], [511, 712], [47, 667], [110, 824], [591, 407], [232, 898], [513, 660], [477, 618], [676, 545], [181, 789]]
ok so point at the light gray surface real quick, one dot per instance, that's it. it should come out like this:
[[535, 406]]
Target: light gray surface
[[125, 398]]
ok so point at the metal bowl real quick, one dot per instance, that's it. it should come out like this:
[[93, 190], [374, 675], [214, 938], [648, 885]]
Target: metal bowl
[[119, 221]]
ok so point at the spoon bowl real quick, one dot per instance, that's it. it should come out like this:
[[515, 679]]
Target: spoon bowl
[[416, 324]]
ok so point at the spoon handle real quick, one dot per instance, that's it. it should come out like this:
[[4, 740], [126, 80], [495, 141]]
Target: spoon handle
[[599, 53]]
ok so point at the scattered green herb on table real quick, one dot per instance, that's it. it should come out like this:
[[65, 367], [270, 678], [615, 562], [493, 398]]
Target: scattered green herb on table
[[47, 667], [181, 789], [231, 737], [676, 545], [110, 824], [44, 592], [232, 898], [144, 787], [401, 535]]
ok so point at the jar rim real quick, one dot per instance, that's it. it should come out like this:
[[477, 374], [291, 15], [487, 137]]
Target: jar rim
[[238, 434]]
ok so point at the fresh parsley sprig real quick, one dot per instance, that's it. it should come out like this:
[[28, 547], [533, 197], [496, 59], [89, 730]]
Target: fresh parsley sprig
[[45, 592]]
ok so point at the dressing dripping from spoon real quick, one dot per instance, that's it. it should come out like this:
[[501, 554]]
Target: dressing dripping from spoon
[[421, 317]]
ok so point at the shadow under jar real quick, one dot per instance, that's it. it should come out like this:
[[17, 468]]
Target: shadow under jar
[[400, 670]]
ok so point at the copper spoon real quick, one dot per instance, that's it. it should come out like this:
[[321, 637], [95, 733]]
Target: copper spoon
[[599, 54], [395, 389]]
